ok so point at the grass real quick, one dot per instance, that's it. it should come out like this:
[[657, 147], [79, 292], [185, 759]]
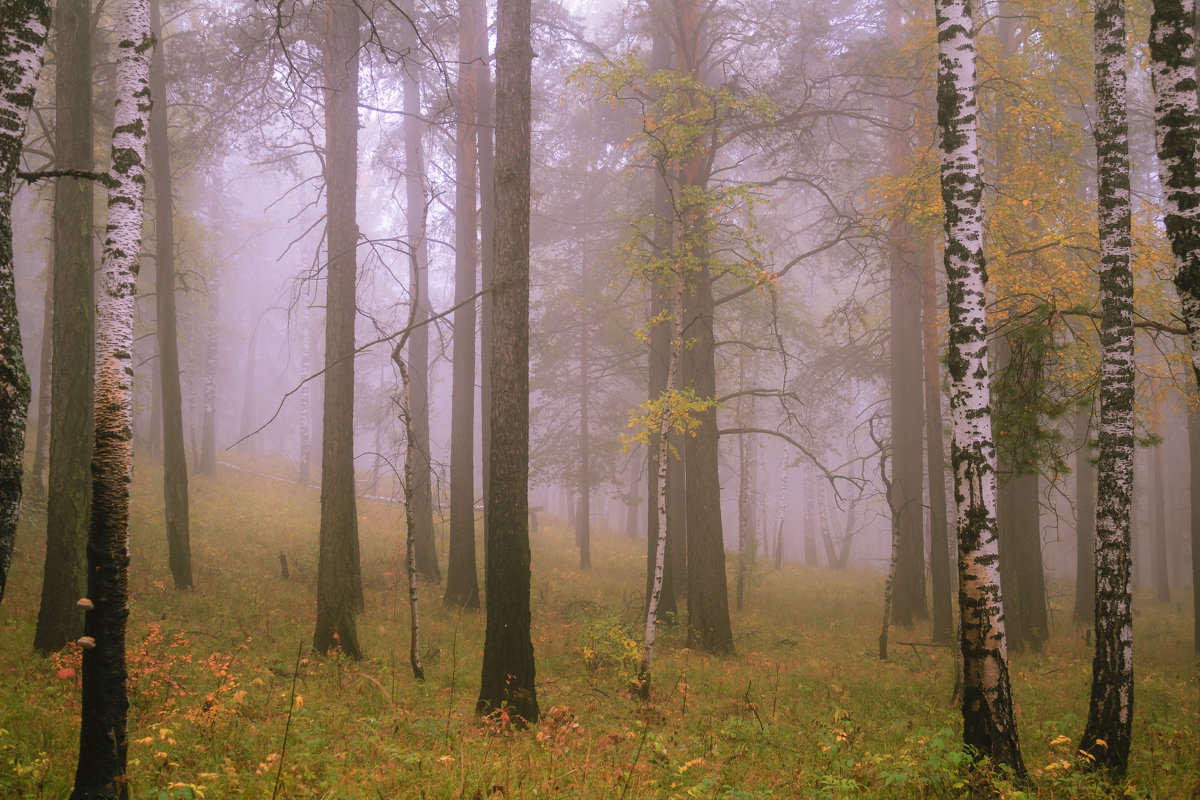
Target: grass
[[804, 709]]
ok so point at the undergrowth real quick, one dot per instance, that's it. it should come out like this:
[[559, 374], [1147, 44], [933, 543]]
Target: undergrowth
[[803, 709]]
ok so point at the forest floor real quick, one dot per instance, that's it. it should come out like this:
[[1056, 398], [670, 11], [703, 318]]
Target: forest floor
[[804, 709]]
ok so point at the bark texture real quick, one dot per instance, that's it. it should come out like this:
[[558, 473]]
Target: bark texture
[[987, 707], [69, 477], [338, 579], [175, 478], [23, 28], [1106, 736], [102, 738], [507, 674]]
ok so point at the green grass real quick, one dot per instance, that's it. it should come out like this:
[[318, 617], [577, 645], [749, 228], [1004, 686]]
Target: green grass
[[803, 710]]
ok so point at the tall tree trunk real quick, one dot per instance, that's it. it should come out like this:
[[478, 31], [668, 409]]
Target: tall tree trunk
[[69, 485], [1173, 62], [23, 30], [659, 562], [487, 246], [417, 438], [466, 256], [41, 440], [1106, 736], [175, 487], [208, 424], [940, 576], [708, 595], [905, 377], [507, 675], [809, 486], [583, 528], [1159, 559], [1085, 520], [102, 734], [339, 586], [660, 346], [987, 707], [304, 470]]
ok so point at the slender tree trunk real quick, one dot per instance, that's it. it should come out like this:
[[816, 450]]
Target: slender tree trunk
[[809, 486], [102, 738], [418, 452], [175, 487], [987, 707], [69, 485], [781, 515], [507, 675], [23, 30], [41, 441], [660, 544], [466, 256], [1162, 578], [583, 529], [304, 471], [486, 101], [1106, 736], [940, 576], [1194, 512], [339, 587], [1085, 520]]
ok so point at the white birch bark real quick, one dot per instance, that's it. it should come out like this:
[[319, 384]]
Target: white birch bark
[[23, 28], [988, 723], [664, 452], [102, 752], [1106, 735]]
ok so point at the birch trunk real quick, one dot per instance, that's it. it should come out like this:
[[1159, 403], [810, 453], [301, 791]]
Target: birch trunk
[[105, 705], [660, 543], [1173, 70], [987, 707], [23, 28], [1106, 736]]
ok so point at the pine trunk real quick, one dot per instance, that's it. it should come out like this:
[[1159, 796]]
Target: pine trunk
[[339, 587], [175, 486], [507, 674], [987, 707], [1106, 736], [69, 480]]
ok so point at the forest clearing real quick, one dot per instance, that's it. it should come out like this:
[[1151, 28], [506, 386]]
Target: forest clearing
[[803, 709]]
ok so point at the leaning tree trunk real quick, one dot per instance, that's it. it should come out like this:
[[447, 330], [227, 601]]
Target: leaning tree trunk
[[339, 588], [1173, 69], [507, 675], [988, 722], [102, 737], [175, 486], [23, 29], [1106, 736], [69, 477]]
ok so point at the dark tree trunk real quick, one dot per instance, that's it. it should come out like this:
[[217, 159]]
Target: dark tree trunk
[[708, 596], [41, 441], [339, 587], [487, 245], [103, 716], [175, 486], [905, 380], [418, 453], [1106, 736], [466, 256], [69, 487], [1162, 578], [940, 575], [23, 30], [1085, 520], [507, 675]]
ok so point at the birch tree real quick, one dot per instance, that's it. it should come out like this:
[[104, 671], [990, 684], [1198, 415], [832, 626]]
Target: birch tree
[[23, 28], [987, 707], [1177, 125], [1106, 735], [102, 738]]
